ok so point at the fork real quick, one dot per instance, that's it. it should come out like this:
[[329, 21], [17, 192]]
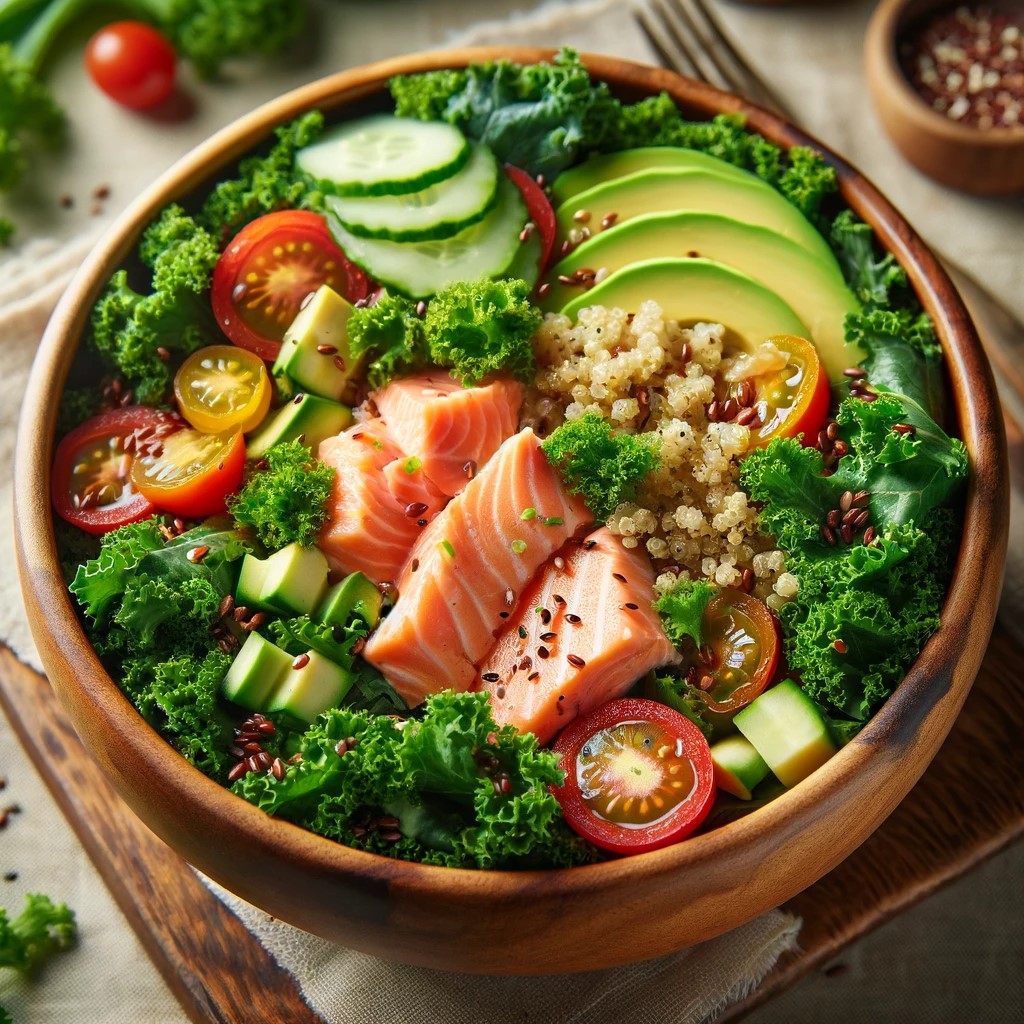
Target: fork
[[689, 38]]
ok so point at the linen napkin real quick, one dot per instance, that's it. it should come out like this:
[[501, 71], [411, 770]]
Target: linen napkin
[[341, 984]]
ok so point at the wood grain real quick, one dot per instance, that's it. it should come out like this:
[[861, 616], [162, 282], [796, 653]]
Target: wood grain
[[214, 966]]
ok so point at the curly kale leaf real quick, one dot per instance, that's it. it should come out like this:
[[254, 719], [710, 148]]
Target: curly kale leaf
[[682, 610], [600, 464], [436, 776], [42, 929], [284, 496], [136, 331], [482, 328], [390, 337], [265, 183]]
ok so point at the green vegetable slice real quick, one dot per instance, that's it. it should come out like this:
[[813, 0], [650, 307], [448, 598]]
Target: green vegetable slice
[[384, 155]]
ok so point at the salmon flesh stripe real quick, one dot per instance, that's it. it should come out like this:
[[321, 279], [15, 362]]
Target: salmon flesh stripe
[[468, 567], [452, 430], [367, 529], [590, 632]]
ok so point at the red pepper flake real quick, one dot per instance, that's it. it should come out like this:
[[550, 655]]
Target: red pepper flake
[[574, 660], [839, 646], [301, 661], [327, 350], [415, 509], [197, 554]]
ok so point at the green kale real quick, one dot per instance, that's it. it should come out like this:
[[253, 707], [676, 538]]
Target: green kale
[[682, 610], [265, 183], [437, 775], [42, 929], [882, 601], [482, 328], [600, 464], [100, 582], [284, 496], [390, 336], [179, 697], [134, 331], [873, 277]]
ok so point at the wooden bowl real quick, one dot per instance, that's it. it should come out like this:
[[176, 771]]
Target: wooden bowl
[[519, 922], [977, 160]]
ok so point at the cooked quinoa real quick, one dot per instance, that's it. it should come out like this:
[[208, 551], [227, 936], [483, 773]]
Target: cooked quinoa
[[646, 373]]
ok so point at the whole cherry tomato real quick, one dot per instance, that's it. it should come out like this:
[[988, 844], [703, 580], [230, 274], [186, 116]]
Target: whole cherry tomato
[[133, 63]]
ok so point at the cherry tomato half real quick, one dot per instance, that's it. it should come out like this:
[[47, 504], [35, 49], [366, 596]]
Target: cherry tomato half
[[538, 206], [132, 63], [790, 392], [268, 269], [193, 473], [740, 652], [222, 387], [639, 776], [91, 479]]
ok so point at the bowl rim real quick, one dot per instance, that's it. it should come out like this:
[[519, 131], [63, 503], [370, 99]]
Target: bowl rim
[[886, 30], [925, 687]]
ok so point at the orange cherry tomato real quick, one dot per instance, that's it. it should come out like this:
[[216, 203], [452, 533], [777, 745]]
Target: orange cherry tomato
[[268, 270], [193, 473], [638, 776], [223, 387], [792, 398], [740, 652]]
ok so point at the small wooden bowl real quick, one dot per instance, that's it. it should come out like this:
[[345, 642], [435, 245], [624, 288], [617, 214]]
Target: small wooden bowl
[[977, 160], [541, 921]]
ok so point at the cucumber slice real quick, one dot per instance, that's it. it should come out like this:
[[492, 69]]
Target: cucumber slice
[[384, 155], [438, 211], [421, 269]]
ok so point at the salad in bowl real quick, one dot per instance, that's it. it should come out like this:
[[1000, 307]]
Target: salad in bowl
[[513, 465]]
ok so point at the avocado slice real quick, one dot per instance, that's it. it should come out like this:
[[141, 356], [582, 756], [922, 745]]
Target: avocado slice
[[255, 672], [356, 594], [667, 188], [817, 295], [308, 417], [314, 354], [738, 766], [786, 728], [311, 685], [291, 581], [607, 166], [693, 291]]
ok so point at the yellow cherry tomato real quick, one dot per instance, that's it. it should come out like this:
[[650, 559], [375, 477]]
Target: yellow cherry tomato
[[222, 388]]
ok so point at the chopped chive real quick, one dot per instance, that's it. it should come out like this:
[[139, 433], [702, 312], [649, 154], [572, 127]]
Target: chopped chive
[[377, 445], [528, 514], [519, 546], [412, 464], [522, 632], [449, 550], [554, 521]]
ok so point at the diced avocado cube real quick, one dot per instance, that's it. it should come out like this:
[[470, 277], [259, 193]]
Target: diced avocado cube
[[306, 416], [314, 356], [291, 581], [257, 669], [355, 594], [738, 766], [788, 731], [312, 684]]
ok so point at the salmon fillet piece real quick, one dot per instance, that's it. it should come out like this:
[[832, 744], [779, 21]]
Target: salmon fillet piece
[[468, 568], [595, 634], [452, 430], [367, 530], [414, 491]]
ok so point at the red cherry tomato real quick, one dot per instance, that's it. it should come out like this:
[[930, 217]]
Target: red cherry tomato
[[792, 396], [193, 473], [740, 652], [538, 206], [269, 268], [132, 63], [91, 479], [639, 776]]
